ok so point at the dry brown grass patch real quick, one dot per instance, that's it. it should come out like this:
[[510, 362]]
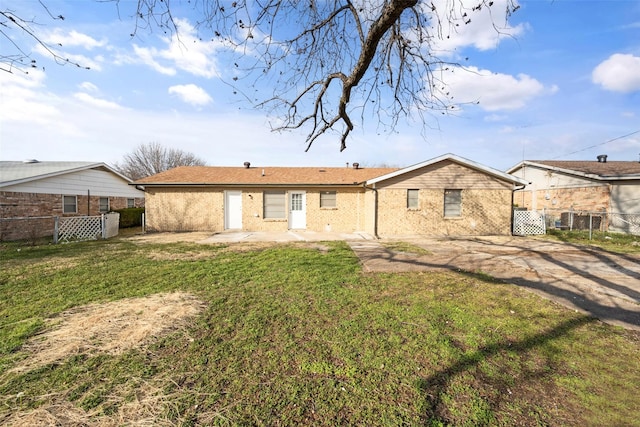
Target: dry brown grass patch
[[111, 328]]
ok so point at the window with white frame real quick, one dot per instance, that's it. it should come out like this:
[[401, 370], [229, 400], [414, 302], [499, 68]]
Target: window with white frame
[[131, 203], [452, 203], [274, 205], [327, 199], [69, 204], [104, 204], [412, 199]]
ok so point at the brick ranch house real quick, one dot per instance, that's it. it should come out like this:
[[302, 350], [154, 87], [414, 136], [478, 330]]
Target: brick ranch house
[[611, 187], [32, 193], [447, 195]]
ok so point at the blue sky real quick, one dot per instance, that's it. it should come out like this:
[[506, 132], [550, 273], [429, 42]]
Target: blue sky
[[562, 82]]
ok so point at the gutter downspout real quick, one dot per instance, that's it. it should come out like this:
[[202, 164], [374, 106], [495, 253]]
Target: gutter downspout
[[513, 198], [375, 208]]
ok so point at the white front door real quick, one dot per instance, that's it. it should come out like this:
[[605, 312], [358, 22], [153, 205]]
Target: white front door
[[297, 210], [233, 210]]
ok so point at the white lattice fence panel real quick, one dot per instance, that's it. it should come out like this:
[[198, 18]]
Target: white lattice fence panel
[[79, 228], [528, 222]]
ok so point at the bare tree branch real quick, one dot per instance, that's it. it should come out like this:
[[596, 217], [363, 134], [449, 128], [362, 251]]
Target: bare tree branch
[[12, 24], [152, 158], [321, 61]]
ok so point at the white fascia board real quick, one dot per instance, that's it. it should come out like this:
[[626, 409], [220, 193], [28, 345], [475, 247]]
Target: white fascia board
[[64, 172], [571, 172]]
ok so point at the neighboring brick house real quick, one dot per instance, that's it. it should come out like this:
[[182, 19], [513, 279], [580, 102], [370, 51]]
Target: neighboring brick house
[[561, 186], [32, 193], [447, 195], [597, 185]]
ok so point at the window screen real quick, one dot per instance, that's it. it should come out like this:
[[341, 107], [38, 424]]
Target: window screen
[[274, 205], [327, 199], [131, 203], [412, 199], [452, 203]]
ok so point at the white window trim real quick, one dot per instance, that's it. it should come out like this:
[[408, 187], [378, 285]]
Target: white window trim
[[335, 200], [64, 205], [459, 203], [417, 199], [284, 205], [100, 204]]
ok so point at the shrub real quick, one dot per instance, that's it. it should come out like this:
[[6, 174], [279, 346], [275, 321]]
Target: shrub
[[130, 217]]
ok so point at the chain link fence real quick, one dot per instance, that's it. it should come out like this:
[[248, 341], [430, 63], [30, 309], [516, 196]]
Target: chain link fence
[[604, 221]]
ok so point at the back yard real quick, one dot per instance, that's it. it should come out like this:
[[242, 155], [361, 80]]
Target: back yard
[[118, 332]]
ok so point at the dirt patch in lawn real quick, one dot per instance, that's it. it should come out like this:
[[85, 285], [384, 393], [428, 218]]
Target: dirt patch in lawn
[[111, 328]]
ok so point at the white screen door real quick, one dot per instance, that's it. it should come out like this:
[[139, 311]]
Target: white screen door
[[233, 210], [297, 210]]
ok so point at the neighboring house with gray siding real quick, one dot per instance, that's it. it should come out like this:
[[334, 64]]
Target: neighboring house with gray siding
[[33, 192], [597, 186], [447, 195], [613, 186]]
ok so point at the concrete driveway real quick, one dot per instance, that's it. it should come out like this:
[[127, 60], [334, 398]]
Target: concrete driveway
[[592, 281]]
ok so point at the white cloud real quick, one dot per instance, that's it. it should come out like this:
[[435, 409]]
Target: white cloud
[[88, 87], [618, 73], [493, 91], [484, 27], [73, 39], [184, 51], [26, 106], [96, 102], [82, 60], [495, 118], [191, 94], [146, 56]]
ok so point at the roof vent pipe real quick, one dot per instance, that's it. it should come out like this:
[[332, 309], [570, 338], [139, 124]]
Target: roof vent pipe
[[247, 164], [356, 165], [602, 158]]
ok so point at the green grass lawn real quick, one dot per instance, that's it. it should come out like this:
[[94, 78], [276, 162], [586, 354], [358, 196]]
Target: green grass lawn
[[614, 242], [297, 334]]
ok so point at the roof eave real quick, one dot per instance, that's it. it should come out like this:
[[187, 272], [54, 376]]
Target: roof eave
[[244, 185], [457, 159], [64, 172], [591, 176]]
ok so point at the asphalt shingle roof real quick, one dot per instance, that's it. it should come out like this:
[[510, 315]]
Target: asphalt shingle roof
[[14, 171], [603, 169], [267, 175]]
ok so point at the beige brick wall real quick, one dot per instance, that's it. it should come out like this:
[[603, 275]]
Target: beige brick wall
[[195, 209], [484, 212], [182, 209], [347, 217], [593, 198]]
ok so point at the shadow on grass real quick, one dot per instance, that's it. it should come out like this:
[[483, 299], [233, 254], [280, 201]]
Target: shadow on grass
[[435, 387], [621, 311]]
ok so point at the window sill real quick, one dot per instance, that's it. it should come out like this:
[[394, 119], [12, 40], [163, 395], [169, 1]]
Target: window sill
[[328, 209], [275, 219], [453, 218]]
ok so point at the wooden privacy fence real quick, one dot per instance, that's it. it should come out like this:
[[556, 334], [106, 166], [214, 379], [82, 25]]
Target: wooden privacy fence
[[76, 228]]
